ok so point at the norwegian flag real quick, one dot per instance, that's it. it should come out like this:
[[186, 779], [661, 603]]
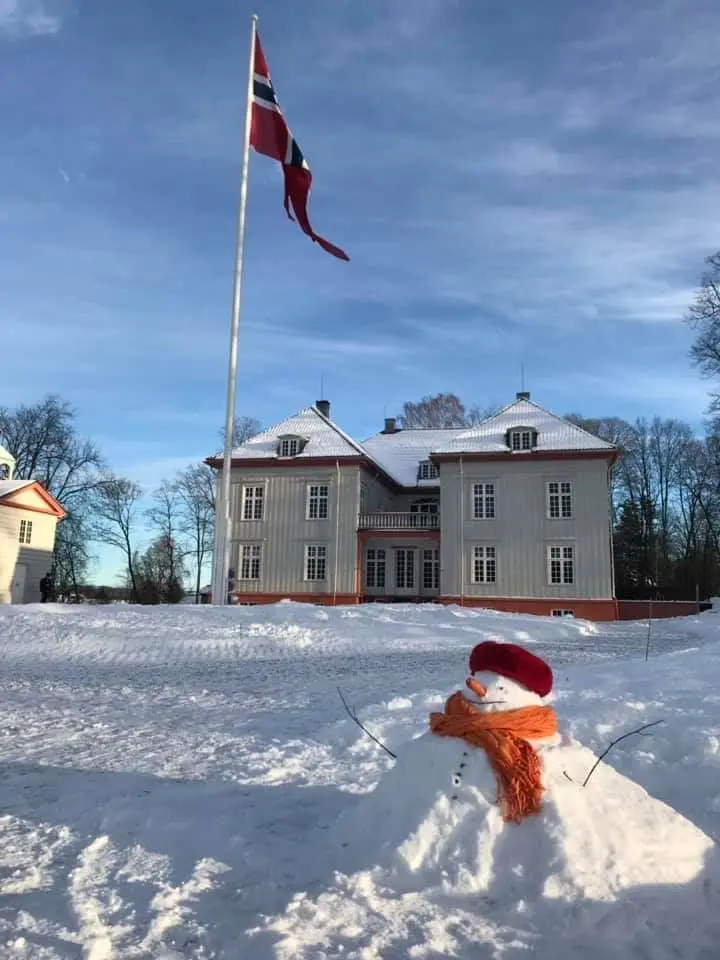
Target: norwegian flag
[[270, 135]]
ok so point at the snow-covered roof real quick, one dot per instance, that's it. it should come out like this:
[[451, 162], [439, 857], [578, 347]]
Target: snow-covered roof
[[553, 432], [400, 454], [10, 486], [323, 438]]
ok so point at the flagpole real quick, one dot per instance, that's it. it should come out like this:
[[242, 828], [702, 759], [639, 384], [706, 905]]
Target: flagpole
[[223, 532]]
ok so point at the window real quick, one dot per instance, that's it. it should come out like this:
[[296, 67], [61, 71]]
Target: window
[[253, 503], [375, 568], [563, 613], [289, 446], [522, 438], [559, 500], [428, 470], [561, 565], [250, 559], [483, 501], [484, 565], [404, 568], [317, 501], [431, 569], [25, 531], [315, 561]]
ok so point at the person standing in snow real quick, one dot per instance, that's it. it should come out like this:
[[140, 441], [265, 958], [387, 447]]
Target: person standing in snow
[[45, 587]]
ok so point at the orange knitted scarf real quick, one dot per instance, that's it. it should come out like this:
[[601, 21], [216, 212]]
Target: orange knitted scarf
[[504, 737]]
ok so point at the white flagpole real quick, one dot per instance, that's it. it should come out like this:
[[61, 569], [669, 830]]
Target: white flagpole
[[223, 532]]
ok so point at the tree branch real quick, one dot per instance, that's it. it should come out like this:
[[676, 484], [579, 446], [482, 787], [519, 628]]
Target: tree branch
[[609, 748], [353, 716]]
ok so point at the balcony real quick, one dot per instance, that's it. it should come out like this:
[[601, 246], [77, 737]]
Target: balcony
[[399, 521]]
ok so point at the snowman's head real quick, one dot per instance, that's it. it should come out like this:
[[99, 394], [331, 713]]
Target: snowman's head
[[492, 693], [506, 677]]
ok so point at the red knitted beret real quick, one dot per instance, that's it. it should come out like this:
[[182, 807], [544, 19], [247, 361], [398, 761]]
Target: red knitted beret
[[513, 662]]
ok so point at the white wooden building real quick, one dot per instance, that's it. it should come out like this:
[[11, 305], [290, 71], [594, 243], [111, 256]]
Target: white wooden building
[[29, 516]]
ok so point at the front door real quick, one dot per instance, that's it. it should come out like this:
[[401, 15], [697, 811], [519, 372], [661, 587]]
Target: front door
[[406, 571], [430, 582], [17, 588], [424, 512]]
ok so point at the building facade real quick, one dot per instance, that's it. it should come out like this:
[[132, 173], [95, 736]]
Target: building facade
[[29, 516], [512, 514]]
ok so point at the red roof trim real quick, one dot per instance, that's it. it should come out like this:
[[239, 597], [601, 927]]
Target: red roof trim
[[55, 507], [526, 455]]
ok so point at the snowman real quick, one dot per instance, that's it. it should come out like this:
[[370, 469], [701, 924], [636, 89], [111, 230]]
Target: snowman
[[482, 842], [486, 811]]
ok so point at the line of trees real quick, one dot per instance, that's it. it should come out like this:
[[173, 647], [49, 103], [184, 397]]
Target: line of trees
[[105, 508], [665, 486]]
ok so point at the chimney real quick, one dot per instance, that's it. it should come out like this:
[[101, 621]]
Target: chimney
[[522, 395], [391, 425], [324, 407]]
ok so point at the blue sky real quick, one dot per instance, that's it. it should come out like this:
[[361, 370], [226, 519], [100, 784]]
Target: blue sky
[[513, 182]]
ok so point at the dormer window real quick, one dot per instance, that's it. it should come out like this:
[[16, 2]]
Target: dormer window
[[290, 446], [428, 470], [521, 439]]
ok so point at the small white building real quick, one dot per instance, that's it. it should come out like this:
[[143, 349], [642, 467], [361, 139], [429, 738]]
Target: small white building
[[29, 516]]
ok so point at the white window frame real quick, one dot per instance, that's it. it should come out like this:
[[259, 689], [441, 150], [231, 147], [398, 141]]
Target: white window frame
[[564, 555], [253, 502], [289, 446], [483, 561], [428, 470], [375, 561], [250, 565], [562, 613], [317, 505], [431, 564], [25, 535], [560, 499], [484, 498], [521, 434], [315, 562]]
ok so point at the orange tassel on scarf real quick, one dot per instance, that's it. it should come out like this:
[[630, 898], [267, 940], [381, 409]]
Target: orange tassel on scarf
[[504, 737]]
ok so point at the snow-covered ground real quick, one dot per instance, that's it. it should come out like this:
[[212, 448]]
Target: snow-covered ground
[[165, 772]]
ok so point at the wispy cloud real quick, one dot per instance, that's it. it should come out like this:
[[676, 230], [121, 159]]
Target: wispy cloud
[[21, 18]]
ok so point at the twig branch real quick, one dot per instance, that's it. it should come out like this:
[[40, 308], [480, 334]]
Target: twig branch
[[623, 737], [353, 716]]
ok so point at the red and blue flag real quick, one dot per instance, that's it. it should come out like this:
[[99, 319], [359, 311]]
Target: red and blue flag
[[270, 135]]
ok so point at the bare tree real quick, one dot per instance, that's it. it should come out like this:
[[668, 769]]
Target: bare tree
[[165, 517], [477, 414], [704, 317], [243, 429], [159, 572], [438, 412], [44, 441], [115, 514], [196, 489], [72, 555]]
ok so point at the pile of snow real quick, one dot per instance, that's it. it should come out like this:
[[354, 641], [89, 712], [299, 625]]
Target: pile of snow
[[170, 781]]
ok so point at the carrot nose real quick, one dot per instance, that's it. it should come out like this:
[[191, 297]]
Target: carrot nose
[[477, 688]]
